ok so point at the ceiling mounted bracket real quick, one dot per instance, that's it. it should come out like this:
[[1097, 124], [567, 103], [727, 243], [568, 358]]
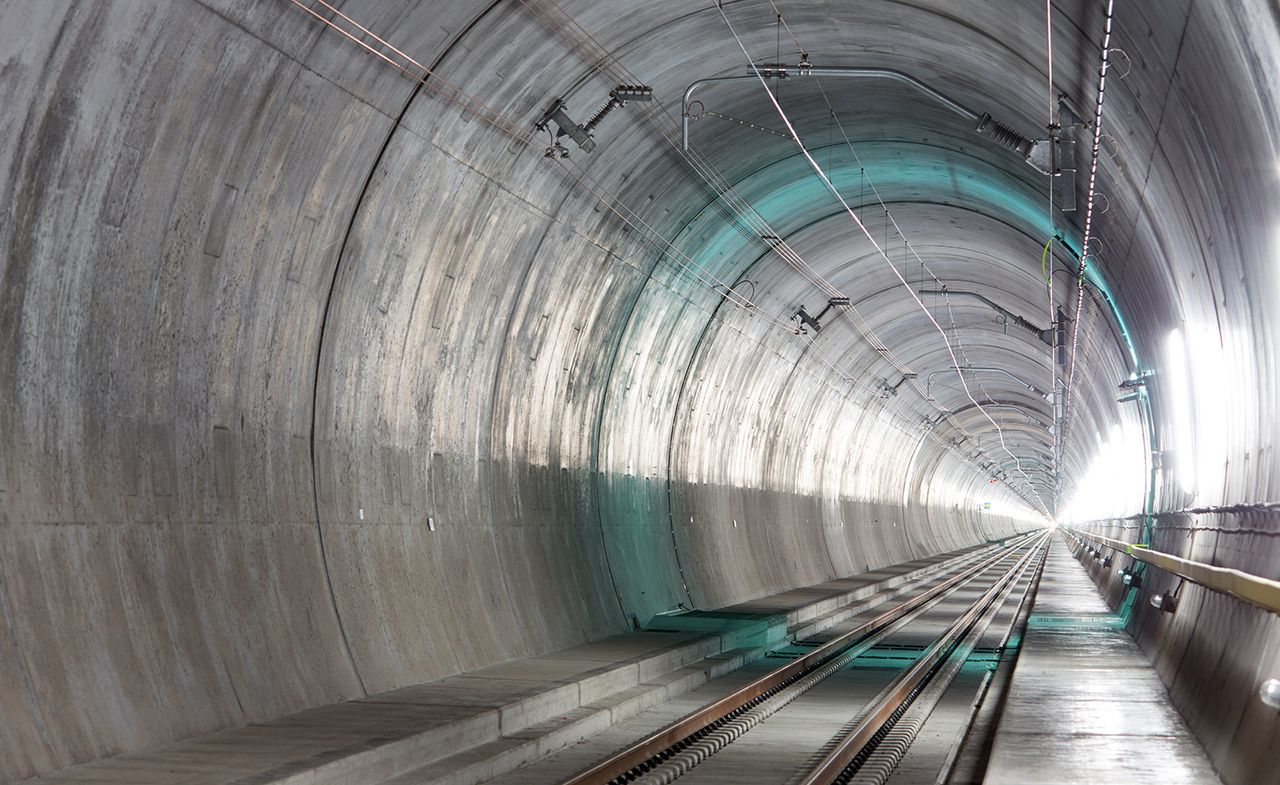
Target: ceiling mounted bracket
[[1029, 150], [888, 390], [815, 322], [582, 134]]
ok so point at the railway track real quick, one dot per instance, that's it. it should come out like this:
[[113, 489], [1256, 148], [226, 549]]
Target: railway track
[[941, 620]]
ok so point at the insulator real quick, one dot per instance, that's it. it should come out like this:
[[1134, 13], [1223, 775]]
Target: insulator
[[1003, 135]]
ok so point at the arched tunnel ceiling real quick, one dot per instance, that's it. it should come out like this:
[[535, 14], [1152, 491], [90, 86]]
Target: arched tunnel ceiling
[[323, 381]]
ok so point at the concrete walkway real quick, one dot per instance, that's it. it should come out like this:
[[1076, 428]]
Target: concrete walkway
[[468, 728], [1084, 705]]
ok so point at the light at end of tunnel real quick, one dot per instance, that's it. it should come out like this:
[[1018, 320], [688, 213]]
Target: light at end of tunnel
[[1269, 693], [1009, 509], [1113, 484]]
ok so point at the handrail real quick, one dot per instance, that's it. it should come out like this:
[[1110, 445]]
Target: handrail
[[1253, 589], [1223, 509]]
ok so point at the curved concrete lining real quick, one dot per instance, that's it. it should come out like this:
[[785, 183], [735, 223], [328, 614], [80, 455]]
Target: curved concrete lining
[[314, 383]]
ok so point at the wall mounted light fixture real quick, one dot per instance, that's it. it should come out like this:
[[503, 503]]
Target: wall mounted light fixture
[[1269, 693]]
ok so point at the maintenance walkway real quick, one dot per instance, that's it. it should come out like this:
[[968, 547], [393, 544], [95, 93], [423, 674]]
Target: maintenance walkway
[[473, 726], [1085, 705]]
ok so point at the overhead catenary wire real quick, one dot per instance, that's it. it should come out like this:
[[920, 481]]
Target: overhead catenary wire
[[822, 175], [726, 191], [453, 94], [602, 60], [890, 219], [1085, 249], [878, 249], [924, 267]]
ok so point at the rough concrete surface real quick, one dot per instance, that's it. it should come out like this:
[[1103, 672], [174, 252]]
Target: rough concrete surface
[[318, 381]]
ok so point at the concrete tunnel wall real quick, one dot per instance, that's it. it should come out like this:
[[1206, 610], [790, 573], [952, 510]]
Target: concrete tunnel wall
[[1213, 652], [313, 384]]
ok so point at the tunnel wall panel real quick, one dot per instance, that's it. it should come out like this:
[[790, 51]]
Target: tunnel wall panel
[[314, 383], [1196, 650], [161, 576]]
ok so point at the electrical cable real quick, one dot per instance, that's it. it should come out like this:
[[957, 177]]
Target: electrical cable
[[1089, 201], [1053, 166], [457, 96], [888, 215], [726, 191], [822, 175]]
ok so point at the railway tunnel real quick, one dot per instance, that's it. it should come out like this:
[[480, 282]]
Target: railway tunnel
[[460, 390]]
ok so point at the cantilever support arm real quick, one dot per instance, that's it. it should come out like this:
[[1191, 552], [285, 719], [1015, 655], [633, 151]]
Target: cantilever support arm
[[984, 369], [1044, 335]]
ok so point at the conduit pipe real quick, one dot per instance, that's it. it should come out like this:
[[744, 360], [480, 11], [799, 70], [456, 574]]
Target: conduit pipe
[[984, 369], [997, 131], [1023, 410]]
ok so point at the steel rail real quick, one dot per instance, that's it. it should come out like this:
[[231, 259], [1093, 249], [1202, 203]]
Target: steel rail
[[1253, 589], [831, 767], [998, 678], [876, 764], [661, 740]]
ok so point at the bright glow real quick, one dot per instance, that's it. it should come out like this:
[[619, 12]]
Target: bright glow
[[1205, 400], [1178, 383], [1015, 510], [1115, 483], [1215, 401]]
